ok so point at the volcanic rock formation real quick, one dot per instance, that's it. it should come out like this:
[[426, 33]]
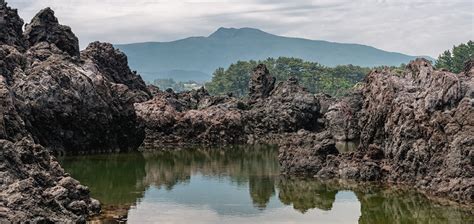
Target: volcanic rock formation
[[64, 100], [34, 187], [416, 128], [197, 118], [70, 103]]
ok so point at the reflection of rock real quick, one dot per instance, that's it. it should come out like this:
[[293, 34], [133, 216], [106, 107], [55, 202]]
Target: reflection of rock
[[115, 180], [119, 180], [416, 128], [399, 207], [378, 205], [261, 188], [306, 194], [170, 167]]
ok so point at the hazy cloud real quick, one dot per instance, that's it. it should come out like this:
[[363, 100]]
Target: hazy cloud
[[416, 27]]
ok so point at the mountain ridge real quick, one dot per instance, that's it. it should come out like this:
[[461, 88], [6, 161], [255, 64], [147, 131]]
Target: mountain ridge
[[204, 54]]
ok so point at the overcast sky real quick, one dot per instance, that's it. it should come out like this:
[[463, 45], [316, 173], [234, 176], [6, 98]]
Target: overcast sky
[[415, 27]]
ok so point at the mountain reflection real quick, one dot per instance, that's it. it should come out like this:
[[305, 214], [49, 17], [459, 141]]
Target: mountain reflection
[[121, 181]]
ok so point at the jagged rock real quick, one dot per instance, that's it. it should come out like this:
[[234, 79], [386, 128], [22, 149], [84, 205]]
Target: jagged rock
[[305, 153], [11, 27], [49, 96], [113, 65], [261, 83], [10, 60], [174, 118], [44, 27], [73, 107], [12, 126], [341, 117], [34, 187], [416, 128], [196, 118], [288, 108]]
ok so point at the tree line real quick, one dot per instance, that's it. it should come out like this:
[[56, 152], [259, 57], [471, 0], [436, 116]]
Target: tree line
[[335, 81], [455, 59], [315, 77]]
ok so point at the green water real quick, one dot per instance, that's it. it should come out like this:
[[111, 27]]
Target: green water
[[238, 185]]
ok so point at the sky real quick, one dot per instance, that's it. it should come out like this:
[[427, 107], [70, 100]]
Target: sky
[[414, 27]]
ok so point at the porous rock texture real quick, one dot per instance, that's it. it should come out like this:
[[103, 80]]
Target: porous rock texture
[[70, 103], [34, 188], [416, 128], [195, 117], [54, 98]]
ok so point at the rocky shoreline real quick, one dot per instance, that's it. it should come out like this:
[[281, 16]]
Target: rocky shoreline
[[56, 100], [415, 128]]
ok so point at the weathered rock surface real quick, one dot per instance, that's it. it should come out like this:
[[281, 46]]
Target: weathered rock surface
[[174, 118], [67, 104], [342, 116], [11, 27], [288, 108], [44, 27], [196, 118], [416, 128], [67, 101], [261, 83], [34, 187]]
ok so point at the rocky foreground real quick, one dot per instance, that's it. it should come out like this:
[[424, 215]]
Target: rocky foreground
[[54, 98], [415, 128]]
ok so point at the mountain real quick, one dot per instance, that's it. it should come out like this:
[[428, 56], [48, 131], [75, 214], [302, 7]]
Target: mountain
[[196, 58]]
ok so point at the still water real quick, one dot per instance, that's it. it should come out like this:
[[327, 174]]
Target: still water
[[238, 185]]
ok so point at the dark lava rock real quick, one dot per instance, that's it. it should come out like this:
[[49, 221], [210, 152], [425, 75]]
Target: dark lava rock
[[416, 128], [12, 126], [51, 96], [73, 107], [194, 117], [66, 104], [11, 27], [288, 108], [35, 188], [174, 118], [44, 27], [342, 116], [113, 65], [261, 83]]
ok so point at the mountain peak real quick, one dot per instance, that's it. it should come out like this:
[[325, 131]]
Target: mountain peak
[[223, 32]]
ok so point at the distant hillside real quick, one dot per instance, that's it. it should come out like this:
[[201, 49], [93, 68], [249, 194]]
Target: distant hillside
[[195, 58]]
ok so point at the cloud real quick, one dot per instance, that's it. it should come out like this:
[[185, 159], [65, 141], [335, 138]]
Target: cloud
[[416, 27]]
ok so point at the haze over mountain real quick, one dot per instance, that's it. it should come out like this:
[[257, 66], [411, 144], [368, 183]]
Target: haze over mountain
[[196, 58]]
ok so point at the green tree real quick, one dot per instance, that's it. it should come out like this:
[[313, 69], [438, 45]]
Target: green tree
[[455, 61], [313, 76]]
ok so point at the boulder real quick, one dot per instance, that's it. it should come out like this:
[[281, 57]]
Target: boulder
[[35, 188], [261, 83], [44, 27]]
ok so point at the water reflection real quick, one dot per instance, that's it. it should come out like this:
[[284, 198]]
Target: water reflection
[[236, 185]]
